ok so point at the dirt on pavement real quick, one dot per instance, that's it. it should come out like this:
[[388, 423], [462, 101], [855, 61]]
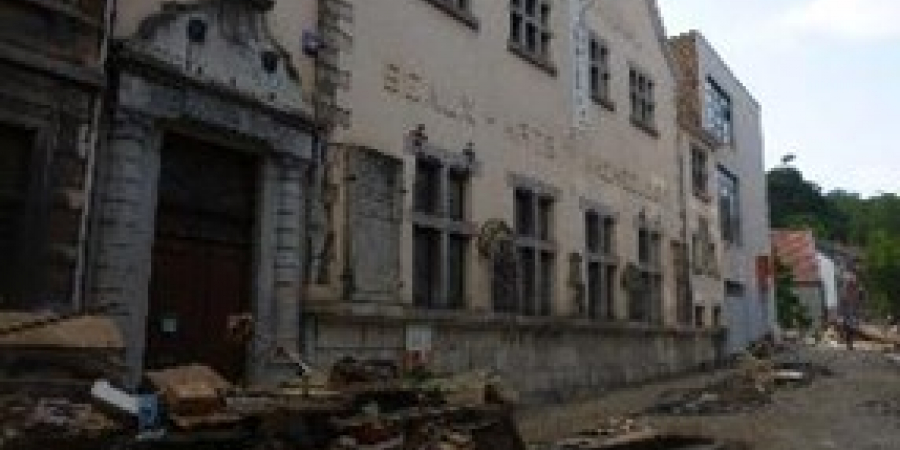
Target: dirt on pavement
[[857, 408]]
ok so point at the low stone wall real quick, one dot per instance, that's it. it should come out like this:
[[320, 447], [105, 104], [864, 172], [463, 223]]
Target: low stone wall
[[545, 360]]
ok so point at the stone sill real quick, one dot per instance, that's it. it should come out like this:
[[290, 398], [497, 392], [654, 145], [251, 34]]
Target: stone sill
[[464, 16], [645, 127], [539, 62], [402, 314], [604, 102]]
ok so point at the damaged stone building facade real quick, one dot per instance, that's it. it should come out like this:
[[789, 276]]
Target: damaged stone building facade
[[505, 186], [507, 197], [714, 101], [51, 81], [200, 202]]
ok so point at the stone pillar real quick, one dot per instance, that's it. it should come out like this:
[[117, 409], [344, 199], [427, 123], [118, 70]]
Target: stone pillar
[[126, 210], [280, 276]]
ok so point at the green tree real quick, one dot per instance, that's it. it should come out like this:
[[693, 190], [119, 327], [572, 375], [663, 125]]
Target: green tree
[[792, 313], [882, 272]]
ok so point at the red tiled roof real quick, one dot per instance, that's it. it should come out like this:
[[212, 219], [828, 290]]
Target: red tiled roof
[[797, 250]]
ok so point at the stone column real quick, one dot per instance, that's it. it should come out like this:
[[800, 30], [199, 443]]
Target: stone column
[[126, 210], [282, 264]]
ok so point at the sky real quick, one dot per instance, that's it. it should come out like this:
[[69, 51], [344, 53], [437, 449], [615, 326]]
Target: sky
[[827, 74]]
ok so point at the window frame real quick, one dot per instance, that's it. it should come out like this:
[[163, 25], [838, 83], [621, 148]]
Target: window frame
[[447, 226], [731, 224], [540, 20], [642, 96], [599, 71], [600, 258], [700, 173], [645, 302], [718, 115], [537, 291]]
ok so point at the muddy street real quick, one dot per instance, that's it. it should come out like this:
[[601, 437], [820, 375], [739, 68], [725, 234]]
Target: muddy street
[[856, 407]]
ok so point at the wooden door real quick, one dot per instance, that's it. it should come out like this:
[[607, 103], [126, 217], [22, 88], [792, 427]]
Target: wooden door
[[202, 256], [18, 201]]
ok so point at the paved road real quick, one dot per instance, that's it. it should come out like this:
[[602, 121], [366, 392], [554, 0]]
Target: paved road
[[857, 409]]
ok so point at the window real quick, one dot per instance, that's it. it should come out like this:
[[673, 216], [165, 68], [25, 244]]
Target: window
[[535, 250], [643, 105], [601, 266], [599, 71], [427, 187], [529, 34], [699, 312], [645, 281], [729, 207], [456, 194], [717, 119], [683, 297], [704, 250], [440, 242], [459, 9], [700, 172], [717, 316], [16, 241]]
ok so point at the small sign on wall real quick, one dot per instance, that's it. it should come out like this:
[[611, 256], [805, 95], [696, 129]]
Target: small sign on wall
[[419, 342]]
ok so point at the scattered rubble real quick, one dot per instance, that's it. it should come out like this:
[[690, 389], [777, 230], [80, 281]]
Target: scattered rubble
[[635, 434], [745, 389]]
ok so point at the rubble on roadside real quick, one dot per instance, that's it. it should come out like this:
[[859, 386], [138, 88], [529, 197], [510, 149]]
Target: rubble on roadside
[[365, 405], [746, 389], [625, 433]]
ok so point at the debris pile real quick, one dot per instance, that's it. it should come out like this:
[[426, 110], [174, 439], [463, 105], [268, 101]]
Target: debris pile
[[744, 390], [633, 434], [609, 432]]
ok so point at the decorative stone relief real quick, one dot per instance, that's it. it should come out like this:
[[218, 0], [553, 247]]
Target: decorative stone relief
[[375, 218], [495, 243], [222, 43]]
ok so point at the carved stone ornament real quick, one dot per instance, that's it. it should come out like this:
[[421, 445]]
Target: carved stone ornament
[[222, 43], [496, 243]]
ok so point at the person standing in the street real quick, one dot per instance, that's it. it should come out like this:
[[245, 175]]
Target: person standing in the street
[[849, 301]]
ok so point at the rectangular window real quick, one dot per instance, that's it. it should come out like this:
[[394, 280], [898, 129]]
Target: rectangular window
[[598, 54], [456, 270], [592, 229], [529, 285], [717, 316], [545, 218], [535, 251], [547, 282], [700, 172], [530, 28], [439, 250], [644, 246], [699, 313], [718, 117], [456, 194], [524, 213], [643, 104], [427, 187], [729, 207], [426, 267], [601, 266], [645, 283]]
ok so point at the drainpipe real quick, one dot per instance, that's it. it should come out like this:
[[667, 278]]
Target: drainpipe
[[78, 300]]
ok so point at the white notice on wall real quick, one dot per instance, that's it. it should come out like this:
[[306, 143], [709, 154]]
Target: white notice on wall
[[419, 338]]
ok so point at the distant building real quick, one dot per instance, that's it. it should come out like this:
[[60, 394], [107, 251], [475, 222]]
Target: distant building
[[797, 250]]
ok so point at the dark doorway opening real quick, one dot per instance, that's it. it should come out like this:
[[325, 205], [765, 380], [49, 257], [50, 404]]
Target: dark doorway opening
[[202, 255]]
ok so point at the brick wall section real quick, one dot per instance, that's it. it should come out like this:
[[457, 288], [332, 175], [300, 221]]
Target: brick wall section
[[684, 50]]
